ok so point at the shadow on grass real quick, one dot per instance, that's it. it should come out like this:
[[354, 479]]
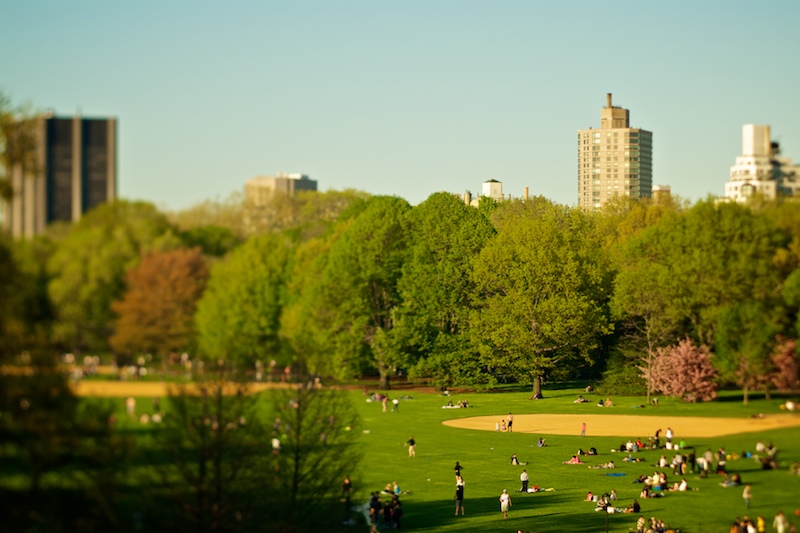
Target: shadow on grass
[[527, 514]]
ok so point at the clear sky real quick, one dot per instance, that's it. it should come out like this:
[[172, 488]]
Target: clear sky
[[405, 97]]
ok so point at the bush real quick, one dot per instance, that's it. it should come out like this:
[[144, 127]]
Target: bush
[[622, 378]]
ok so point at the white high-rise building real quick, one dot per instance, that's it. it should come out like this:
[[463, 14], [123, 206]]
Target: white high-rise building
[[760, 170], [615, 160]]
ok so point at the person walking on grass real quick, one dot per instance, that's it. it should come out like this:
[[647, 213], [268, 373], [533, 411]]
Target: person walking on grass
[[747, 496], [583, 429], [780, 523], [505, 503], [459, 495], [412, 446]]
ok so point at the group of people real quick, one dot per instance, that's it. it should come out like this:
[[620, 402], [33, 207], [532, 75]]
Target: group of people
[[502, 426], [461, 404], [379, 514], [654, 526]]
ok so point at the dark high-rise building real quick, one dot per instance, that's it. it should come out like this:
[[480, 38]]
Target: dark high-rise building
[[74, 169]]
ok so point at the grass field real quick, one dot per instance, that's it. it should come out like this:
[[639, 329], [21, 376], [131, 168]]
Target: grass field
[[485, 456]]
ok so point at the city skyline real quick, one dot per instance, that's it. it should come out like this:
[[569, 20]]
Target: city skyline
[[405, 99]]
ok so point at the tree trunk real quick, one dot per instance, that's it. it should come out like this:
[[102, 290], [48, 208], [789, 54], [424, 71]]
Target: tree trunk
[[537, 386], [745, 395], [385, 378]]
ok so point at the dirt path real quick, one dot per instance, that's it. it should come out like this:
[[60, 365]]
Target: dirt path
[[123, 389], [631, 425], [544, 424]]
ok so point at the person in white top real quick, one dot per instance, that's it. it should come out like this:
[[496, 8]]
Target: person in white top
[[505, 503], [524, 478]]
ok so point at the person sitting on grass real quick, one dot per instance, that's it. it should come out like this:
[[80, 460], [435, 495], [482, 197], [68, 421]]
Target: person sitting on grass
[[732, 481], [683, 486], [609, 464], [634, 507], [541, 443], [515, 461], [574, 461]]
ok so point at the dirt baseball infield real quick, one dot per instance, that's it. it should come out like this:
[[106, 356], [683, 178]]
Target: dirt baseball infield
[[544, 424], [123, 389], [631, 425]]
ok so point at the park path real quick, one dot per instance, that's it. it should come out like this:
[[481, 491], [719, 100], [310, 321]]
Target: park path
[[123, 389]]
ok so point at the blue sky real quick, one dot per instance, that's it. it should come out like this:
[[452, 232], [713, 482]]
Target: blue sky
[[405, 97]]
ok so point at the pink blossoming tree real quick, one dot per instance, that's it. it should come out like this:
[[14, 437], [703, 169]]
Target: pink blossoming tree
[[684, 370]]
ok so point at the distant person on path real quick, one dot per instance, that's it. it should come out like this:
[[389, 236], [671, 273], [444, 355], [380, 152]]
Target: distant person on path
[[583, 429], [510, 422], [524, 478], [412, 446], [459, 495], [505, 503]]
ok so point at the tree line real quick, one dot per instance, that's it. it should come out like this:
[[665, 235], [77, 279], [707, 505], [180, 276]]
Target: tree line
[[340, 284]]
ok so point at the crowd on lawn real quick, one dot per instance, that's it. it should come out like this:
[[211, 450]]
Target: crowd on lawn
[[680, 461]]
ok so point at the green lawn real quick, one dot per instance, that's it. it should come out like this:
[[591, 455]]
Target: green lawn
[[485, 456]]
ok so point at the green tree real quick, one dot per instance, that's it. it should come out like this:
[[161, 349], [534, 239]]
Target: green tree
[[156, 314], [218, 465], [436, 289], [700, 261], [88, 268], [238, 317], [746, 336], [227, 213], [361, 276], [62, 450], [791, 295], [17, 144], [317, 430], [638, 302], [544, 286], [215, 241], [349, 305], [25, 310]]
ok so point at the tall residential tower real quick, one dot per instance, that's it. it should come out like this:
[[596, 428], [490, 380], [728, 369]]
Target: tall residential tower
[[73, 169], [615, 160]]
